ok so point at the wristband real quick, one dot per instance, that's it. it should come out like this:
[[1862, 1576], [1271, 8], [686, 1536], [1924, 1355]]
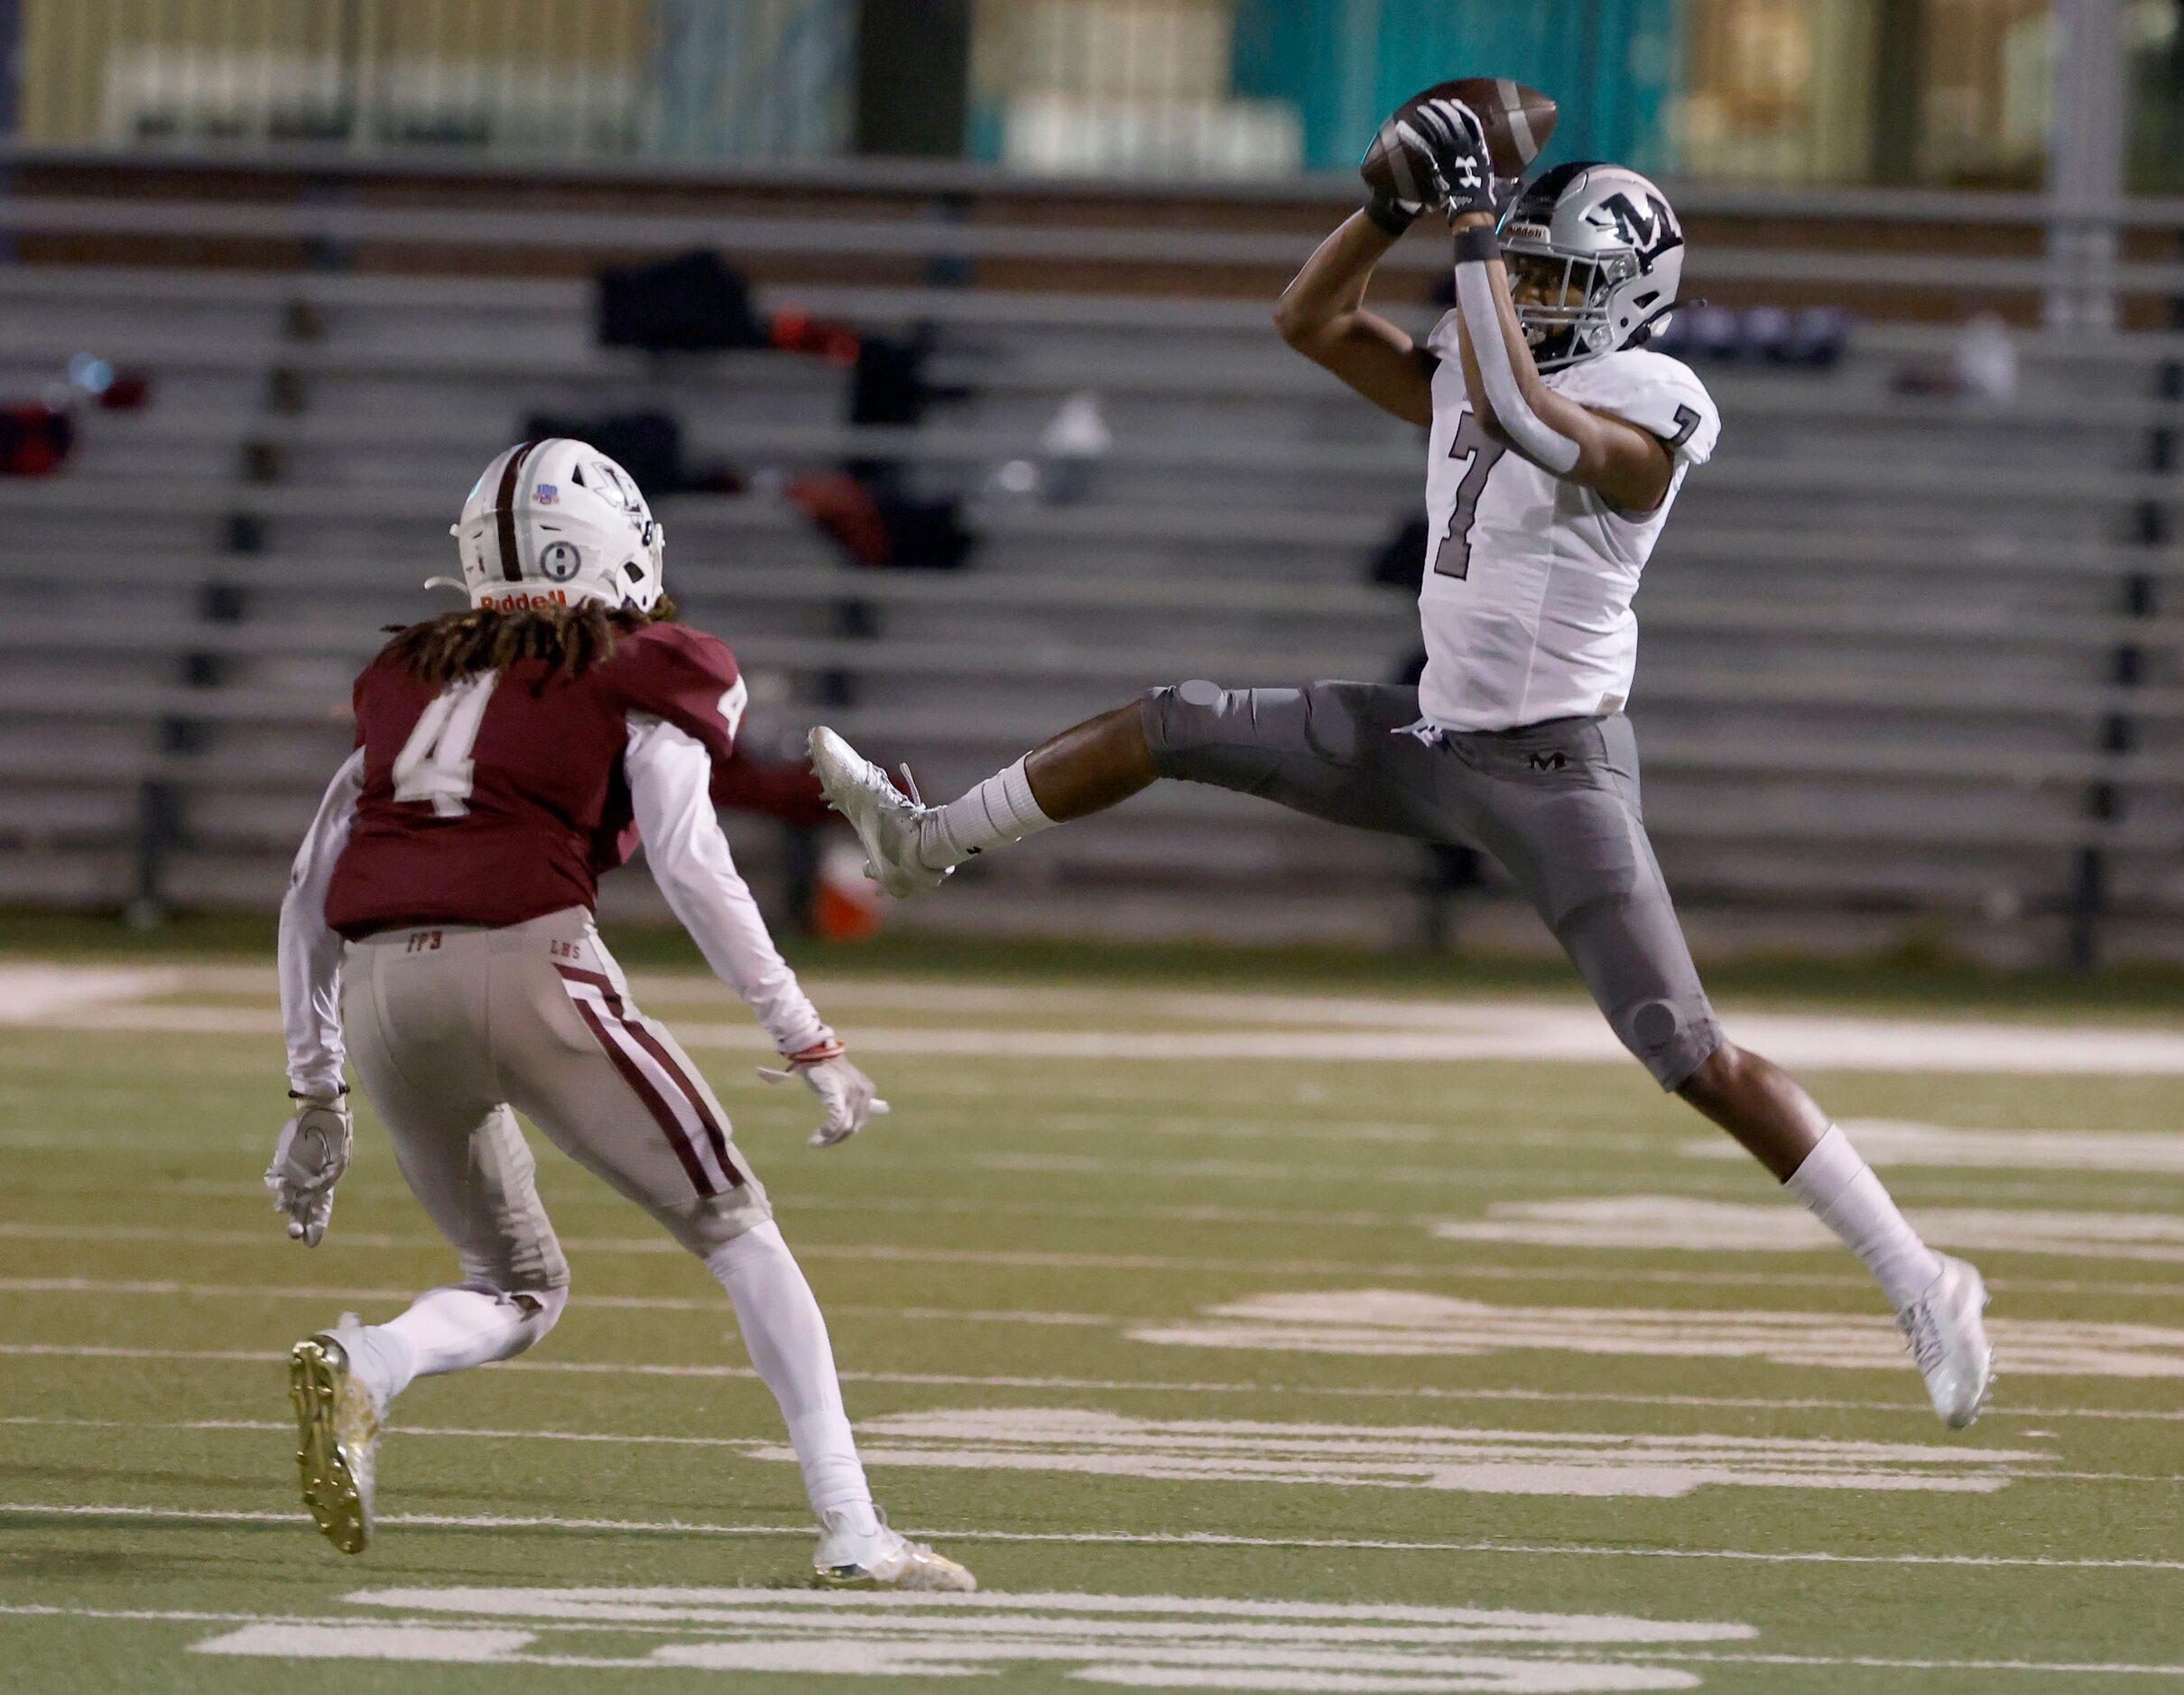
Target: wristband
[[1388, 217], [817, 1054], [1477, 243]]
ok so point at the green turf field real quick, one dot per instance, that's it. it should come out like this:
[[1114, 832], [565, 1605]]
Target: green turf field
[[1279, 1339]]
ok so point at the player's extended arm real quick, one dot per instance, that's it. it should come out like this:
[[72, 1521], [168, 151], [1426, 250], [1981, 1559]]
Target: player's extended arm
[[1631, 467], [309, 952], [1322, 315], [313, 1149], [669, 773]]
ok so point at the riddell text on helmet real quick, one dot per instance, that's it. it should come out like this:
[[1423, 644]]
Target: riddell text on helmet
[[521, 600]]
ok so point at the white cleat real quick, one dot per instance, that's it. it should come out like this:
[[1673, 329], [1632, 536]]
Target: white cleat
[[338, 1421], [882, 1559], [885, 819], [1946, 1333]]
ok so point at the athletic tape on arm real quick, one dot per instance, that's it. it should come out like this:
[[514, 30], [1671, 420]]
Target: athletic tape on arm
[[1531, 434]]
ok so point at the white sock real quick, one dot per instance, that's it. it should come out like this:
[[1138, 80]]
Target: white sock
[[454, 1328], [1840, 1189], [999, 810], [786, 1337]]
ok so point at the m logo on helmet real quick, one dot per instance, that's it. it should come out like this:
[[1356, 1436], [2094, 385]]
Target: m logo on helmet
[[559, 562], [1648, 228]]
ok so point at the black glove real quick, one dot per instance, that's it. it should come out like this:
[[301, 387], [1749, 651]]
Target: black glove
[[1457, 143]]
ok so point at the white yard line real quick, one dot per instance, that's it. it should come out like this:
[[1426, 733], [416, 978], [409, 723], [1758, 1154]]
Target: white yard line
[[1111, 1386], [1026, 1259], [1617, 1651], [882, 1428], [1688, 1223], [716, 1306], [1032, 1261], [1152, 1539], [1286, 1028], [1873, 1663], [450, 1619], [586, 1298]]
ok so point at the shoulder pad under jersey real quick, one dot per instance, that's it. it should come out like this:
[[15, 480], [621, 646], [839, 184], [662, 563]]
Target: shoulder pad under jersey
[[1661, 395]]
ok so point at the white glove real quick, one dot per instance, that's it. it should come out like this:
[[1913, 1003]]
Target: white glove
[[847, 1092], [308, 1161]]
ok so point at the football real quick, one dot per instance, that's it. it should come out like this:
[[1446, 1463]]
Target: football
[[1518, 121]]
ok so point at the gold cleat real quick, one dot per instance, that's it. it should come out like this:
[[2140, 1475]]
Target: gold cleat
[[882, 1559], [337, 1419]]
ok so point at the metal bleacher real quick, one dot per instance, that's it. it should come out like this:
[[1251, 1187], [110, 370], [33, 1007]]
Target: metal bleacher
[[1909, 662]]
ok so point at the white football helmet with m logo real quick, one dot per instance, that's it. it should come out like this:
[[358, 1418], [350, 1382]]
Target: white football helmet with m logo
[[1595, 255], [554, 522]]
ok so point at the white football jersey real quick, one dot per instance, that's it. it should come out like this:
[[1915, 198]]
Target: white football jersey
[[1526, 601]]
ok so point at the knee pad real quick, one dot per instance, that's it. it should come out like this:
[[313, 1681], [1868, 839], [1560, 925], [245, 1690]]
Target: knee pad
[[1182, 715], [1204, 733]]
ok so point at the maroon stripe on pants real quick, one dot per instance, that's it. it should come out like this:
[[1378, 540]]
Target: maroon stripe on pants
[[599, 980], [662, 1112], [652, 1045]]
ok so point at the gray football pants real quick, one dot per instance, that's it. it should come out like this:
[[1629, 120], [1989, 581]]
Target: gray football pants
[[1557, 804], [449, 1028]]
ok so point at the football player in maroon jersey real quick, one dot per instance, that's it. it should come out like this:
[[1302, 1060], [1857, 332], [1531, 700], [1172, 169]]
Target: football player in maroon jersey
[[438, 931]]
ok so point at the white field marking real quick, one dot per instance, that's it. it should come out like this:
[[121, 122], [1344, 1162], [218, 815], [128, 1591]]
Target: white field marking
[[1356, 1456], [875, 1253], [1876, 1662], [1392, 1321], [1143, 1641], [633, 1303], [1544, 1036], [1519, 1443], [99, 997], [25, 1231], [31, 992], [1117, 1538], [1903, 1141], [1723, 1227], [1114, 1386], [784, 1597], [1146, 1641]]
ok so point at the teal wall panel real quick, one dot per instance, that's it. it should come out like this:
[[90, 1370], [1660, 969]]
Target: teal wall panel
[[1344, 64]]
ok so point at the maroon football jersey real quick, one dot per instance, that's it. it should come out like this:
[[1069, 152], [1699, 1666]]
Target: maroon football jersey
[[503, 797]]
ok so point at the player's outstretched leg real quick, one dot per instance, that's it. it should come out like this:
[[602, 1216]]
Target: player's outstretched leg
[[343, 1381], [786, 1337], [911, 847], [1940, 1302]]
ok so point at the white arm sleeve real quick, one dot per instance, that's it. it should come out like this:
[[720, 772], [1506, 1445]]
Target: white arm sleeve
[[1532, 436], [309, 952], [670, 781]]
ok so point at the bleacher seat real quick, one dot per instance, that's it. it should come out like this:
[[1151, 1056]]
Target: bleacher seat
[[1880, 671]]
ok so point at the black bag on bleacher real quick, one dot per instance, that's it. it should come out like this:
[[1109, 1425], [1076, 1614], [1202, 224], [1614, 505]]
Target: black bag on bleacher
[[696, 303], [889, 385], [648, 445]]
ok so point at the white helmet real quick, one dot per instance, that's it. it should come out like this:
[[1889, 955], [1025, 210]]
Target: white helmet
[[1604, 254], [554, 522]]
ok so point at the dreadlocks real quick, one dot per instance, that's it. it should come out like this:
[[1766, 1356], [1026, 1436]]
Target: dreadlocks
[[573, 638]]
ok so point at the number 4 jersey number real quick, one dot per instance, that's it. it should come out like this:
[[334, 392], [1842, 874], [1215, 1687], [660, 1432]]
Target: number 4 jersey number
[[1453, 557], [434, 765]]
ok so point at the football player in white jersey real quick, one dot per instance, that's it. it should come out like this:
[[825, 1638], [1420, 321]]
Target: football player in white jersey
[[1558, 445]]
